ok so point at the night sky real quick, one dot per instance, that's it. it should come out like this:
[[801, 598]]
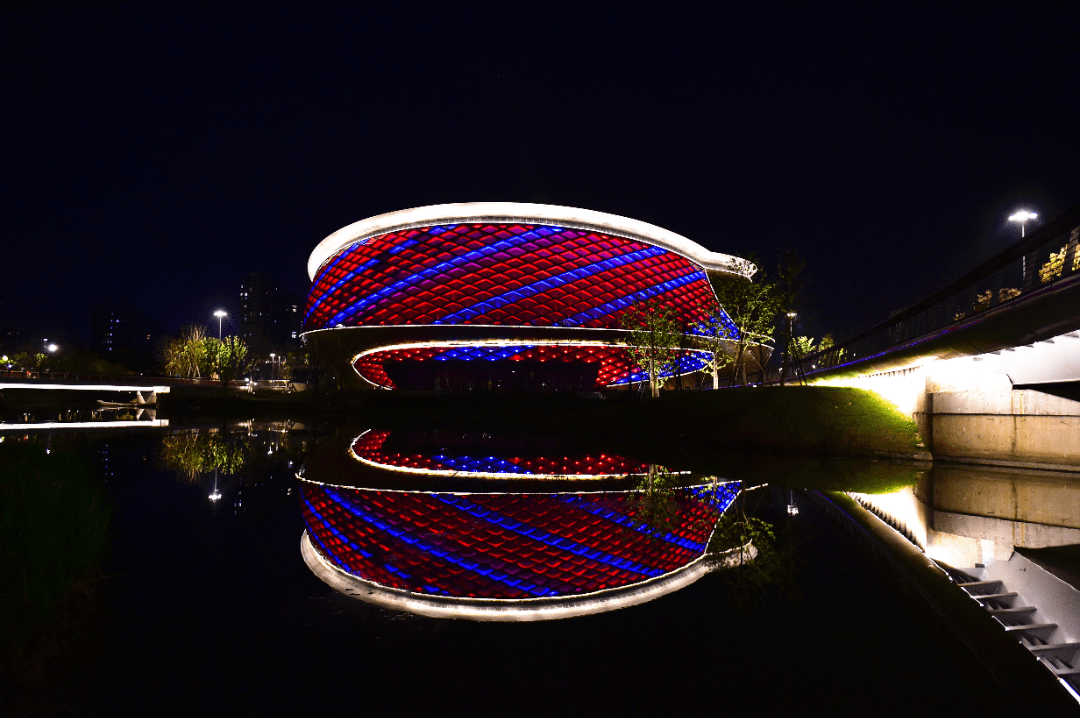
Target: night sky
[[156, 157]]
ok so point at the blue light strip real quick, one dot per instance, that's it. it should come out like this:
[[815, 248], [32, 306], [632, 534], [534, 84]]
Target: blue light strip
[[341, 536], [337, 285], [615, 517], [565, 544], [691, 361], [488, 464], [701, 329], [547, 284], [434, 551], [721, 496], [432, 272], [624, 302], [341, 256]]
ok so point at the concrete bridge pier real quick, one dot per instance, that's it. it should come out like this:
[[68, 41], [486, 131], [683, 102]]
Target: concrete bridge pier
[[1015, 407]]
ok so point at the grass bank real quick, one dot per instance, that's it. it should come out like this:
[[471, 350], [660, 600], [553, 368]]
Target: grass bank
[[811, 421], [790, 421]]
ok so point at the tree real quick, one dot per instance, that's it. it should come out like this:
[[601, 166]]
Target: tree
[[717, 334], [229, 358], [187, 356], [752, 307], [655, 340], [655, 501]]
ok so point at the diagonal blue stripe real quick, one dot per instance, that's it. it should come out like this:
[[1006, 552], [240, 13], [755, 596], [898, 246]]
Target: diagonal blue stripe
[[639, 296], [428, 273], [494, 575], [614, 516], [550, 283], [550, 539]]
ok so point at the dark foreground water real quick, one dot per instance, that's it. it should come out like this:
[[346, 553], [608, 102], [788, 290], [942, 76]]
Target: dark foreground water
[[208, 607]]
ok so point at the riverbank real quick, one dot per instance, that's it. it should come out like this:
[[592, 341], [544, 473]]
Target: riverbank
[[793, 421]]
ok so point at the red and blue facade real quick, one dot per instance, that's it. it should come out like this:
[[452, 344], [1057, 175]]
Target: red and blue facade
[[506, 546], [503, 275]]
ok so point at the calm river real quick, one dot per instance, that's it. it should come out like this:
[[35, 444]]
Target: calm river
[[236, 553]]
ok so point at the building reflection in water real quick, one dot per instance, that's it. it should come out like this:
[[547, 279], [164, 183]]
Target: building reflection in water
[[1011, 539], [546, 550]]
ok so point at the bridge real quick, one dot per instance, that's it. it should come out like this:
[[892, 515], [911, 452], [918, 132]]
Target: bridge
[[145, 392], [989, 366]]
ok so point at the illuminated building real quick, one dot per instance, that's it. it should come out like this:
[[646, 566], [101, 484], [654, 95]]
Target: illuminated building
[[501, 296]]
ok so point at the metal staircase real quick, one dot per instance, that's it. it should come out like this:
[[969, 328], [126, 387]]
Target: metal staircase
[[1046, 640]]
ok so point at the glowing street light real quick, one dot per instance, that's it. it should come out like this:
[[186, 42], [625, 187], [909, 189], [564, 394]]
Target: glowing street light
[[220, 314], [52, 348], [1022, 216]]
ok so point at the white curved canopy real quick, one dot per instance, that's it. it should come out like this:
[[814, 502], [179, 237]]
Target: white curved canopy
[[570, 217]]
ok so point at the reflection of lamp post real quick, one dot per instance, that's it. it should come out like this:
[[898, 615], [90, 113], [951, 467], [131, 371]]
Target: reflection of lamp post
[[215, 495], [220, 314]]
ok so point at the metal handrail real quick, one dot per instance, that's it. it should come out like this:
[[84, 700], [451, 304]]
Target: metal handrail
[[1047, 257]]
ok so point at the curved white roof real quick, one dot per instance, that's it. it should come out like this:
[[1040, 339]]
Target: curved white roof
[[571, 217]]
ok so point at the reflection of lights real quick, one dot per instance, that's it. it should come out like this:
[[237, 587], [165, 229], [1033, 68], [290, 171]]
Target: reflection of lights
[[548, 546], [215, 495], [370, 444]]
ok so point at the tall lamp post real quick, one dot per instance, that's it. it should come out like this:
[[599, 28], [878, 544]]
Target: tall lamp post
[[220, 314], [1022, 217]]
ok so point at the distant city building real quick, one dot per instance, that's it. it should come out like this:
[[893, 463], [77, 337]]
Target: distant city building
[[123, 335], [111, 329], [270, 317]]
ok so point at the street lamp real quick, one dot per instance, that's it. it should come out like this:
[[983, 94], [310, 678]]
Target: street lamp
[[790, 350], [273, 367], [1022, 216], [220, 314], [52, 348]]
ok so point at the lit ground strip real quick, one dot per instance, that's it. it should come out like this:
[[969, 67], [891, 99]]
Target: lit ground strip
[[368, 448], [615, 367], [149, 424], [83, 387]]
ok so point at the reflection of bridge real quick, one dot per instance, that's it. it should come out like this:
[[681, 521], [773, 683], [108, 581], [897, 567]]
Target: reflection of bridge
[[971, 519], [990, 365]]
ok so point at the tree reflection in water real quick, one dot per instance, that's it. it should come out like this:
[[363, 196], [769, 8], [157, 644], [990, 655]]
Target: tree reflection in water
[[196, 453]]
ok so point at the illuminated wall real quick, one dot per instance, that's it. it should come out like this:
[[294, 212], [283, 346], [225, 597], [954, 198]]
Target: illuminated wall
[[502, 274]]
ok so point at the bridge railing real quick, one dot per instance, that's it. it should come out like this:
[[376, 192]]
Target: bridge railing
[[1048, 256]]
